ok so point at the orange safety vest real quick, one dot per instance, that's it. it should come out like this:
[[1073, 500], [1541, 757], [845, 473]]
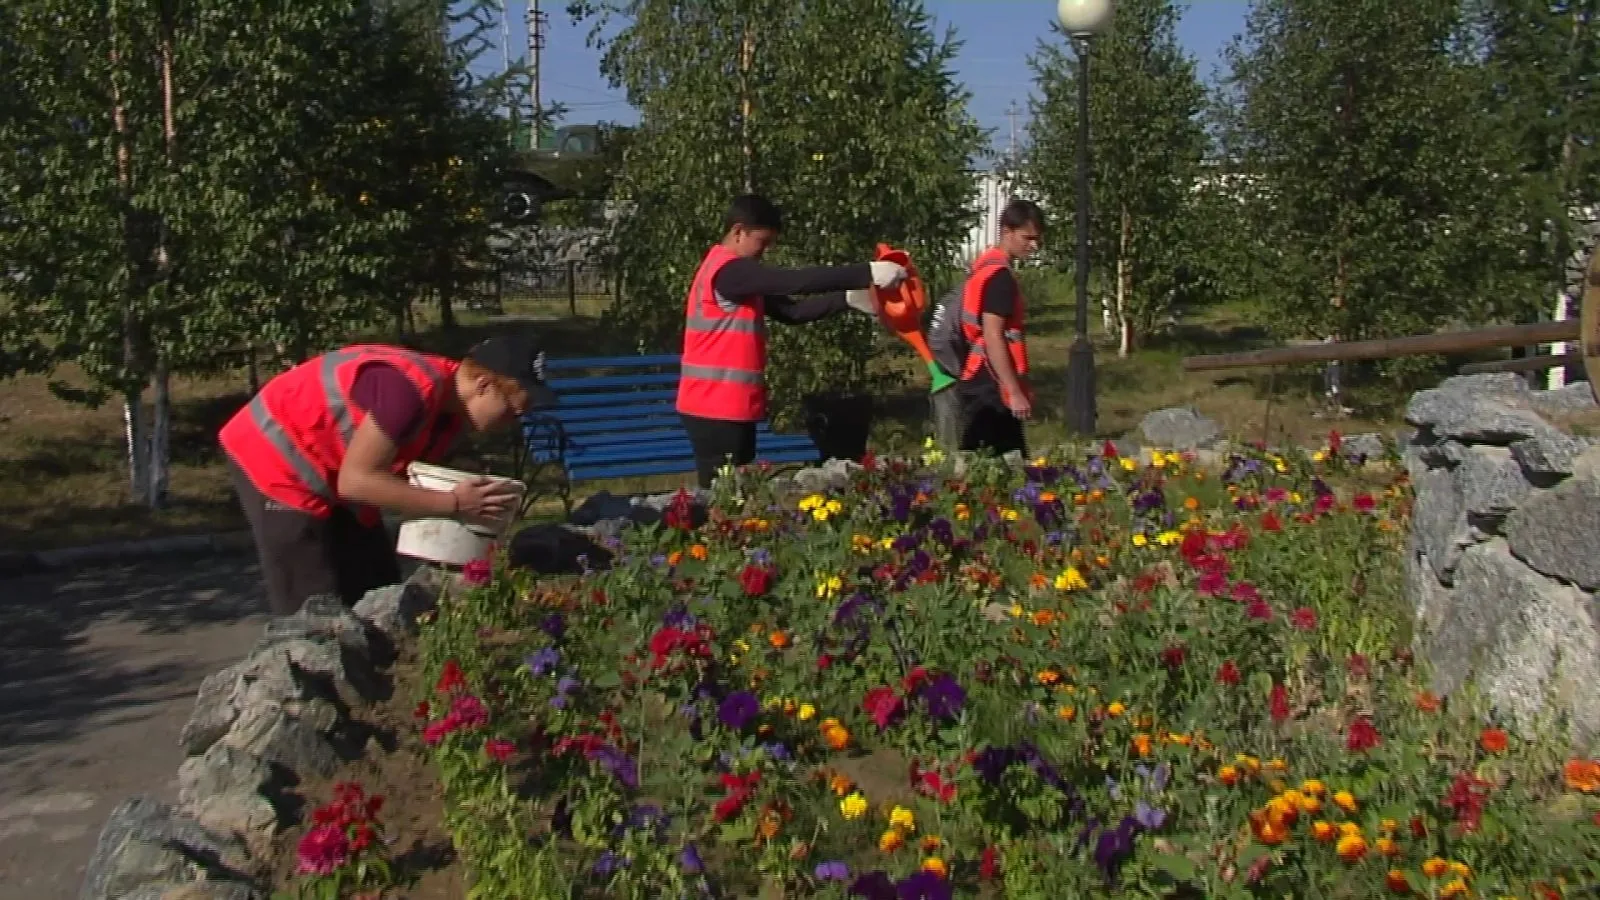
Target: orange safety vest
[[724, 349], [290, 439], [985, 266]]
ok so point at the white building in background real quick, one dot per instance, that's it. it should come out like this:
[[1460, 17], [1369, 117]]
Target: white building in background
[[991, 190]]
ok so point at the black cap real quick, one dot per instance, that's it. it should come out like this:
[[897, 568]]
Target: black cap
[[516, 356]]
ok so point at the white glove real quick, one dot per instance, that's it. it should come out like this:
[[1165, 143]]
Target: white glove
[[862, 300], [887, 274]]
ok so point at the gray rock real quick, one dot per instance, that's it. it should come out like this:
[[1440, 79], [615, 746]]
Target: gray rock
[[1178, 428], [276, 736], [658, 503], [247, 817], [1567, 400], [214, 711], [1368, 445], [393, 611], [1494, 384], [1443, 454], [147, 841], [1557, 531], [1475, 417], [602, 505], [321, 617], [198, 890], [1530, 643], [1491, 485], [1439, 521], [1547, 458], [1429, 597], [833, 475], [219, 770]]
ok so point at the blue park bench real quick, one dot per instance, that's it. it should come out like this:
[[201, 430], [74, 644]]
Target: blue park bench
[[617, 418]]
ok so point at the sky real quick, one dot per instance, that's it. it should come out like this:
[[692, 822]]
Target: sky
[[996, 37]]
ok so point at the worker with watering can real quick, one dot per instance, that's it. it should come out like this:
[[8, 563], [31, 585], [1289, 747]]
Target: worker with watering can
[[722, 391], [324, 446]]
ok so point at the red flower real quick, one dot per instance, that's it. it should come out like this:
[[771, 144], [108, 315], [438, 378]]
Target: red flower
[[1363, 502], [913, 679], [1304, 618], [323, 850], [989, 866], [1228, 673], [823, 662], [450, 678], [755, 580], [422, 711], [499, 749], [882, 705], [477, 572], [1245, 592], [1271, 522], [1334, 443], [1466, 798], [680, 512], [1358, 666], [1278, 703], [1211, 584], [1172, 656], [1361, 736], [1259, 609], [869, 461], [1109, 451]]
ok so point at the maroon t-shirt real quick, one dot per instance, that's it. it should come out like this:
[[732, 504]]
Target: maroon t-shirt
[[390, 398]]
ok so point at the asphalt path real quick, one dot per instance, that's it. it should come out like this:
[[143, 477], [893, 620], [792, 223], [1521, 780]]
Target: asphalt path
[[98, 672]]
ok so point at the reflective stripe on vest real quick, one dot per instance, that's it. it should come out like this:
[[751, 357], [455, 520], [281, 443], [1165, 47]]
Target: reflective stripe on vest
[[308, 474], [723, 369], [972, 321]]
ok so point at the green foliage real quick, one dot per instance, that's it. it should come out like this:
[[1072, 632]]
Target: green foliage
[[1378, 198], [855, 128], [1206, 689], [1147, 237]]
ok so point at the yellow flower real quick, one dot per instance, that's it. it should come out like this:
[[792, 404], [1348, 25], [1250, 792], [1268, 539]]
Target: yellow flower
[[813, 501], [891, 841], [807, 711], [1168, 538], [828, 586], [1128, 465], [1434, 867], [1071, 580], [1016, 610], [1116, 708], [1345, 801], [834, 507], [1387, 846], [1455, 888], [1351, 847], [1010, 515], [820, 514], [903, 819], [1319, 456], [935, 865], [853, 806], [1139, 540], [1313, 787], [1349, 829]]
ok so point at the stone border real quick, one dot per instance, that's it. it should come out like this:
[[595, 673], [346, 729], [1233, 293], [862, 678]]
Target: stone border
[[258, 727]]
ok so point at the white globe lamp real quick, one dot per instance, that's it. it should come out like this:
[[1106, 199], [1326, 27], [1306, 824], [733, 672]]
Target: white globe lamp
[[1084, 18]]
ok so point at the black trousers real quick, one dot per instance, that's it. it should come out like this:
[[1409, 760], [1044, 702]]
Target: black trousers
[[718, 442], [986, 424], [302, 555]]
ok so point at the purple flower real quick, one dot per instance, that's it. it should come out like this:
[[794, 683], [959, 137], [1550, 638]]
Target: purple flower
[[737, 711], [944, 697], [760, 556], [1115, 846], [925, 886], [690, 860], [564, 689], [608, 862], [553, 625], [542, 662], [1149, 817], [777, 751], [619, 764], [679, 617], [833, 871], [874, 886]]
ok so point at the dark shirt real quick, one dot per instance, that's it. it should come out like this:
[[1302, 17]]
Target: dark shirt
[[749, 278], [389, 397], [999, 298]]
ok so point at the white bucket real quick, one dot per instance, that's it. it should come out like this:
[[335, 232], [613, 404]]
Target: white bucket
[[449, 541]]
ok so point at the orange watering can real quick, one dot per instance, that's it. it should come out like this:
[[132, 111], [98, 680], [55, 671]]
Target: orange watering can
[[901, 308]]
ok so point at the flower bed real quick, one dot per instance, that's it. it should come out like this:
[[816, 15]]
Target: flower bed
[[1045, 682]]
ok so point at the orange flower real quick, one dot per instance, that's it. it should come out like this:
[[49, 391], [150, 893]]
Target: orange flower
[[1282, 812], [1345, 801], [771, 823], [1191, 504], [1265, 830], [931, 843], [1037, 581], [1323, 831], [1351, 848], [891, 840], [837, 736], [1434, 867], [778, 639], [1044, 618], [698, 551], [1455, 888], [1582, 775], [1396, 882], [674, 558], [1228, 775], [1387, 846], [840, 784], [1141, 744], [1428, 702], [935, 865], [1492, 740]]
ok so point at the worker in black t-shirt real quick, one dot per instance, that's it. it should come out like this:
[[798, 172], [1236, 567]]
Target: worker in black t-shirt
[[995, 395]]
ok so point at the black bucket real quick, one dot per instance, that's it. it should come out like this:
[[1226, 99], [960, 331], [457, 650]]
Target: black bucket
[[839, 424]]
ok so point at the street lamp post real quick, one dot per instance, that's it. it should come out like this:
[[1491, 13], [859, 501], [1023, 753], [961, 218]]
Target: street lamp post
[[1082, 20]]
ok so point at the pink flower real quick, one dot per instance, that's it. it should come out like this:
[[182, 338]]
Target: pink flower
[[1361, 736], [499, 749], [1211, 583], [1304, 618], [882, 705], [469, 712], [434, 732], [1259, 609], [477, 573], [1245, 592], [323, 850]]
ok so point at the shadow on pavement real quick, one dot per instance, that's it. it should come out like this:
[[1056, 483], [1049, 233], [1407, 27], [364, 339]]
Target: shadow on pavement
[[111, 644]]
